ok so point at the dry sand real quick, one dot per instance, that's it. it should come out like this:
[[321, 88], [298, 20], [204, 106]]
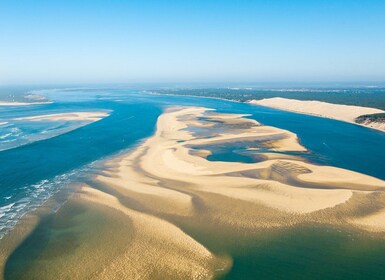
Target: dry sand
[[346, 113]]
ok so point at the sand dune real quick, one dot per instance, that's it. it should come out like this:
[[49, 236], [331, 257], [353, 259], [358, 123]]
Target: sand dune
[[347, 113]]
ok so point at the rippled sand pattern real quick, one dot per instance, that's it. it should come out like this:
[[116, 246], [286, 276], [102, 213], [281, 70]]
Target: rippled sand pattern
[[168, 178], [165, 177]]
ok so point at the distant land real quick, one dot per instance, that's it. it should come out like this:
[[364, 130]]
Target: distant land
[[341, 112], [363, 106]]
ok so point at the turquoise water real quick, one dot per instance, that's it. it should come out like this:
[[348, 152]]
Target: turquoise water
[[35, 167], [310, 253]]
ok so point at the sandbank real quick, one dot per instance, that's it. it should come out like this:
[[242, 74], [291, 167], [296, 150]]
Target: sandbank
[[73, 116], [164, 169], [3, 103], [147, 195]]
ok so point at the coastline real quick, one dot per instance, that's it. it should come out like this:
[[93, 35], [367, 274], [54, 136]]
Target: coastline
[[372, 125], [340, 112]]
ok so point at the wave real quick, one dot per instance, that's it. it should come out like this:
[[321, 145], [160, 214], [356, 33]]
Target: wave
[[29, 197]]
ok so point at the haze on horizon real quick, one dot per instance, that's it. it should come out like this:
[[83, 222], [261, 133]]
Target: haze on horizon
[[191, 41]]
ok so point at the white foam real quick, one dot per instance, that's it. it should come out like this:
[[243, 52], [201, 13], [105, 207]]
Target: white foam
[[33, 196]]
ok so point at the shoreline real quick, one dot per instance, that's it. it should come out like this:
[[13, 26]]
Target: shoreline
[[329, 110], [382, 129]]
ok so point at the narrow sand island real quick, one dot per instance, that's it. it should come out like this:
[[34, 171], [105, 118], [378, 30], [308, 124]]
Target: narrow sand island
[[4, 103], [73, 116], [346, 113], [148, 197]]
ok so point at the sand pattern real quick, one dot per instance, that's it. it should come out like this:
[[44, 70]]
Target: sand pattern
[[166, 180], [167, 185], [158, 248]]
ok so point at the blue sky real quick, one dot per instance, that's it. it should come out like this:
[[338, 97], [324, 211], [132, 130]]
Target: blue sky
[[191, 41]]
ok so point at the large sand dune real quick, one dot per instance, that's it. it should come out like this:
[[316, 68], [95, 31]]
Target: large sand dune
[[347, 113]]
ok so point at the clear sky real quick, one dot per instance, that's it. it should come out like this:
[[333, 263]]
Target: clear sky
[[191, 41]]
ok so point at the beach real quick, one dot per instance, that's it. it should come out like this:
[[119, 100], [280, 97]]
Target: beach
[[346, 113]]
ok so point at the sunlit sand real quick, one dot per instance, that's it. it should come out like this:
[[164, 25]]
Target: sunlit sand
[[346, 113], [164, 169]]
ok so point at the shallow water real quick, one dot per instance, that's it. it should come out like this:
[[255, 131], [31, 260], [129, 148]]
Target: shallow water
[[32, 171], [311, 253]]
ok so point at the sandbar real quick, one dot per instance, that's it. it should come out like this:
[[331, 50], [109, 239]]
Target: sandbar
[[73, 116], [166, 174], [3, 103]]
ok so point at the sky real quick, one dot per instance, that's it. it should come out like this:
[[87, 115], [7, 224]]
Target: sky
[[94, 41]]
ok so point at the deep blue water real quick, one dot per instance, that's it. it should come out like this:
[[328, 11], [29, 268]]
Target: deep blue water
[[33, 170]]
